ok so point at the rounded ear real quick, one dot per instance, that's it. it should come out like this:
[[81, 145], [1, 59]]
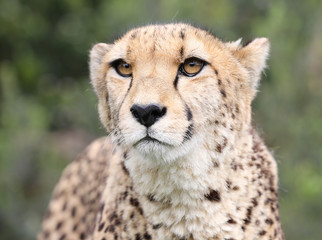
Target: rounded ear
[[97, 75], [96, 71], [252, 56]]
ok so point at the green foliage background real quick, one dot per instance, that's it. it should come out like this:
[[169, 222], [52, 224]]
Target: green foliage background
[[48, 109]]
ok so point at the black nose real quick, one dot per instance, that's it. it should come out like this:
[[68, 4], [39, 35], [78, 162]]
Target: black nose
[[147, 115]]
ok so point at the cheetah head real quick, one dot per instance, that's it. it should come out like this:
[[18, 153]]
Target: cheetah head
[[164, 90]]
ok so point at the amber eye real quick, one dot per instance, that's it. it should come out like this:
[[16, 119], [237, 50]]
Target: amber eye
[[192, 66], [122, 68]]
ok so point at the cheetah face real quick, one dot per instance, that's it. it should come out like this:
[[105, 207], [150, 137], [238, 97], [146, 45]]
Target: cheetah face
[[164, 89]]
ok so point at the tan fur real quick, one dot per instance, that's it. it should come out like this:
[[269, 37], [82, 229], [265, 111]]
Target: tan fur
[[220, 183]]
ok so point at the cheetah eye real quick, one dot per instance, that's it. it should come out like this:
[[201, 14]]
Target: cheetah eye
[[122, 68], [192, 66]]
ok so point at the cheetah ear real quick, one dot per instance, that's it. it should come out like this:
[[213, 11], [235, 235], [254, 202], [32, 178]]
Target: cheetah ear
[[252, 56], [96, 71], [233, 46]]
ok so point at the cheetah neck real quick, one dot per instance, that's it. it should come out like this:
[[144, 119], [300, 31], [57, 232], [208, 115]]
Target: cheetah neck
[[182, 195]]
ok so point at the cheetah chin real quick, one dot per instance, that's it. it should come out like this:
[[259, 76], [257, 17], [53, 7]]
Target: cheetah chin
[[156, 150]]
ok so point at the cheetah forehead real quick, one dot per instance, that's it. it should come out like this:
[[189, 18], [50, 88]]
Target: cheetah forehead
[[174, 41]]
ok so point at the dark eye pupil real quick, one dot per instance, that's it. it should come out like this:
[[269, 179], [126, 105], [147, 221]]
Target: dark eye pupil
[[192, 64], [125, 65]]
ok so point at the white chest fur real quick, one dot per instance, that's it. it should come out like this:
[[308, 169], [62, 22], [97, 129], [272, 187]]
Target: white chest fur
[[180, 195]]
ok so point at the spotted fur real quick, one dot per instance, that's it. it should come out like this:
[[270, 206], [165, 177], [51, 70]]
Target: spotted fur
[[206, 174]]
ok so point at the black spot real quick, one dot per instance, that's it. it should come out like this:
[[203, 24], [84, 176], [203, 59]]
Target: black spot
[[109, 228], [64, 206], [157, 226], [62, 237], [275, 232], [237, 109], [219, 82], [151, 198], [59, 224], [228, 184], [213, 195], [231, 221], [181, 52], [246, 221], [134, 34], [216, 72], [225, 142], [75, 227], [140, 210], [125, 169], [216, 164], [138, 236], [134, 202], [112, 216], [254, 202], [249, 213], [117, 222], [269, 221], [82, 236], [223, 93], [101, 226], [147, 236], [73, 212], [256, 147], [182, 34], [262, 233], [219, 148], [124, 195], [268, 201]]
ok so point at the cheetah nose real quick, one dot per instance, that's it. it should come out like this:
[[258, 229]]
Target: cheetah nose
[[147, 115]]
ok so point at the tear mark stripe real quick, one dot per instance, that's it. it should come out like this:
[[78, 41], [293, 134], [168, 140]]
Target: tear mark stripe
[[188, 112], [175, 83]]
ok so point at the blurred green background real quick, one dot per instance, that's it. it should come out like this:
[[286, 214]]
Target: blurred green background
[[48, 109]]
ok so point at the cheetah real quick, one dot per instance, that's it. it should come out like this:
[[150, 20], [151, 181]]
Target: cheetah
[[182, 160]]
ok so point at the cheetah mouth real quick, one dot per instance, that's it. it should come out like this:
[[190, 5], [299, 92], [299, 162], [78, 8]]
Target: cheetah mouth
[[150, 140]]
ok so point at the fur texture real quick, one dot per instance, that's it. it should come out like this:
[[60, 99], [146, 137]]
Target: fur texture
[[203, 173]]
